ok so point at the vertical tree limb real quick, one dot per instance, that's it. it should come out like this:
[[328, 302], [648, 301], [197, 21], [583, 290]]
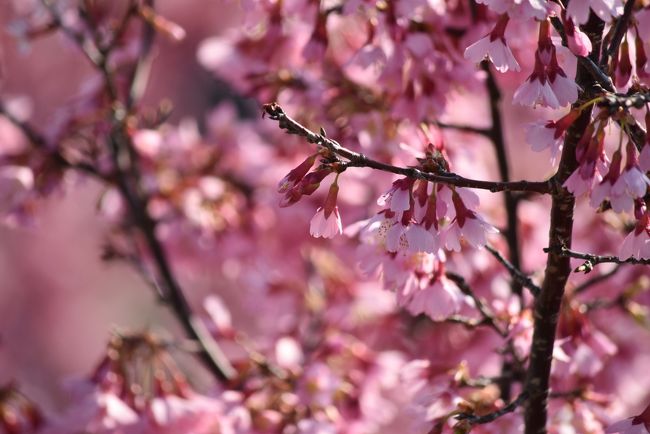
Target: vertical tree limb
[[548, 303]]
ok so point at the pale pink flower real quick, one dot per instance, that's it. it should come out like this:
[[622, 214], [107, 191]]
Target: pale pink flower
[[634, 425], [537, 9], [219, 314], [637, 242], [438, 300], [15, 184], [326, 226], [578, 42], [550, 134], [582, 180], [420, 240], [578, 10], [398, 198], [98, 412], [548, 85], [288, 353], [148, 142], [494, 47], [533, 92], [194, 413], [632, 183], [644, 158], [473, 229], [603, 190]]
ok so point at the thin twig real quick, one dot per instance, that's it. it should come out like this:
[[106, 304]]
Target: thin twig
[[516, 273], [591, 259], [488, 317], [128, 181], [596, 279], [275, 112], [511, 204], [463, 128], [36, 139], [490, 417]]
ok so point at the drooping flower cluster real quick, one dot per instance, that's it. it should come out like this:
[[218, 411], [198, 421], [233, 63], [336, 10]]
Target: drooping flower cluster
[[548, 85]]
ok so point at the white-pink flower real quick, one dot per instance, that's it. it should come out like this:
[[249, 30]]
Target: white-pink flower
[[578, 41], [634, 425], [326, 226], [438, 300], [644, 158], [473, 229], [637, 242], [548, 85], [578, 10], [494, 47], [326, 222], [15, 184]]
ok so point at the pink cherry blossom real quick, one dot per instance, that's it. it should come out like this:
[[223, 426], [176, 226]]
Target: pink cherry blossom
[[326, 226], [637, 242], [494, 47], [634, 425], [548, 85], [605, 9], [549, 134], [15, 185], [438, 300], [578, 42], [326, 222]]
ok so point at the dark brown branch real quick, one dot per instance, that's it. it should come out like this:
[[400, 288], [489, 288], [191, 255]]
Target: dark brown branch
[[496, 135], [275, 112], [211, 354], [488, 317], [547, 304], [127, 179], [591, 259], [463, 128], [515, 272], [490, 417]]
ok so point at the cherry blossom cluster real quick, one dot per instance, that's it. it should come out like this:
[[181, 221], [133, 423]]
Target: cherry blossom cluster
[[307, 340]]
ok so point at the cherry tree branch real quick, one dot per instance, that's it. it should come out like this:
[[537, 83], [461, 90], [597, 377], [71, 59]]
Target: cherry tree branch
[[511, 203], [515, 272], [603, 84], [291, 126], [547, 304], [591, 259], [488, 317], [491, 417], [463, 128], [127, 178]]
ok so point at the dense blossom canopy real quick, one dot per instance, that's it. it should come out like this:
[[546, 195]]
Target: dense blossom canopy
[[341, 232]]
